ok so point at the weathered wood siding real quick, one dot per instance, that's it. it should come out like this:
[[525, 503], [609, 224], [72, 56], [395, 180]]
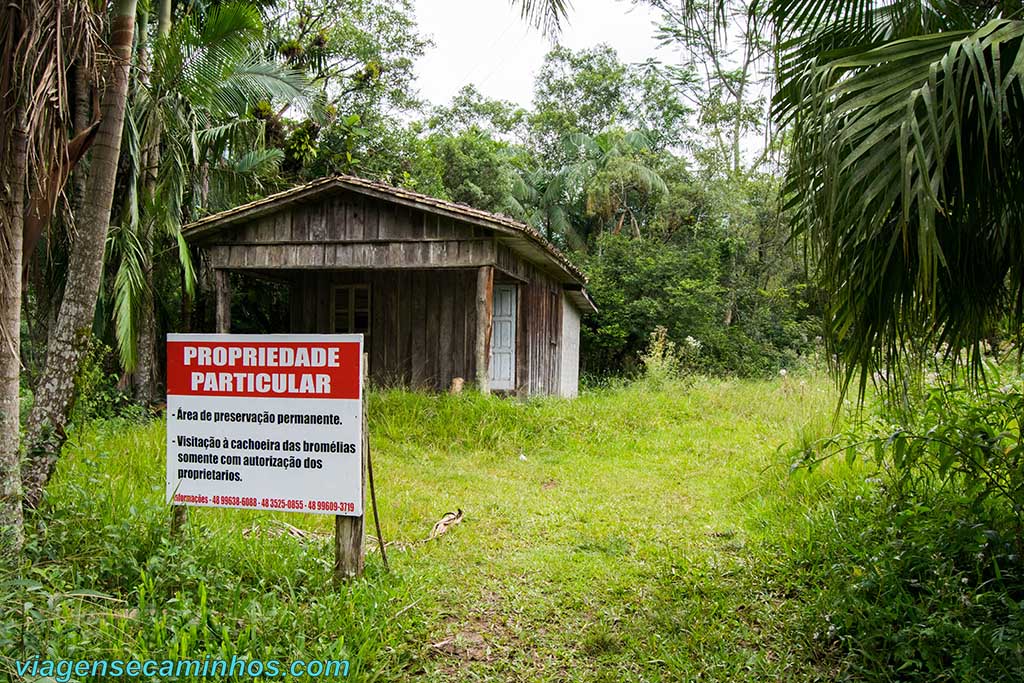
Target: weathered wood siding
[[422, 326], [351, 231], [538, 337]]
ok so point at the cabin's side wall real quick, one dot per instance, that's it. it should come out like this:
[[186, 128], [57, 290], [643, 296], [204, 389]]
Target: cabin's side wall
[[569, 381], [538, 339], [422, 325]]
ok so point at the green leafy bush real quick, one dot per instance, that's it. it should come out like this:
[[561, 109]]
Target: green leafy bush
[[922, 576], [97, 394], [661, 360], [664, 361], [959, 440], [912, 588]]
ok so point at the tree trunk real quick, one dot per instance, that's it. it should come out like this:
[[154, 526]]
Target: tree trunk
[[144, 374], [163, 26], [82, 118], [12, 536], [70, 336], [145, 363], [146, 370]]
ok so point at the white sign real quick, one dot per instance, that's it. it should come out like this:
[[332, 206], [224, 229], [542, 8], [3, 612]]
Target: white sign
[[265, 422]]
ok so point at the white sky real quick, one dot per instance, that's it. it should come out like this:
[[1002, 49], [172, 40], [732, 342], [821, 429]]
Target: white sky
[[486, 43]]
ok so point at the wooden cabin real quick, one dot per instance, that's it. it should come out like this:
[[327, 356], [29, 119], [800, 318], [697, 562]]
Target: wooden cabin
[[441, 290]]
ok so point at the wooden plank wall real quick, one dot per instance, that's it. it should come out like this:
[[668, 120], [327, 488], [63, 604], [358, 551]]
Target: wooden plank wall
[[352, 231], [422, 326], [539, 334]]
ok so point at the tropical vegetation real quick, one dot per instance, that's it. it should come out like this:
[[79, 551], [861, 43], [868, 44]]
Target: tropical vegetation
[[813, 186]]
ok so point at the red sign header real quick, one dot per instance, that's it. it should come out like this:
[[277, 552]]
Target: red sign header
[[263, 369]]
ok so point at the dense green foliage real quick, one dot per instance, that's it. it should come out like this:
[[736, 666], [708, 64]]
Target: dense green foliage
[[923, 573], [640, 285], [919, 586]]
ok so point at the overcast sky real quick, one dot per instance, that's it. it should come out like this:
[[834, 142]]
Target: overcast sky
[[486, 43]]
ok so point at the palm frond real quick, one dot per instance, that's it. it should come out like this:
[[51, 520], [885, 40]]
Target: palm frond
[[252, 81], [46, 44], [906, 176], [195, 108], [130, 291], [545, 15]]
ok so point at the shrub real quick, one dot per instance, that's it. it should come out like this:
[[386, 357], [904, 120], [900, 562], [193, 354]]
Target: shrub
[[97, 394], [923, 578], [913, 587], [968, 442], [661, 361]]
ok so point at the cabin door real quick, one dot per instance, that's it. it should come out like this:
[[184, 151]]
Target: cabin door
[[503, 339]]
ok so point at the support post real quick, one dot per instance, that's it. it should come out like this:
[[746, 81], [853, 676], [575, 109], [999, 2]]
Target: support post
[[350, 532], [222, 294], [179, 513], [484, 314], [179, 518]]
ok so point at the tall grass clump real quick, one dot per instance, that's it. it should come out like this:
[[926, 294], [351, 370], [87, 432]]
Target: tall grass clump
[[665, 362]]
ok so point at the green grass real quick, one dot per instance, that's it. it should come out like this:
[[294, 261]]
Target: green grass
[[631, 534]]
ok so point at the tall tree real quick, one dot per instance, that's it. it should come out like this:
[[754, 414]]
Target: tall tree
[[14, 159], [195, 145], [613, 175], [725, 50], [588, 91], [359, 53], [41, 44], [145, 374], [542, 201], [70, 335]]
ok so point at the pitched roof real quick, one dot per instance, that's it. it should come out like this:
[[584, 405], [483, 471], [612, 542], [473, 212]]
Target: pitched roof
[[525, 239]]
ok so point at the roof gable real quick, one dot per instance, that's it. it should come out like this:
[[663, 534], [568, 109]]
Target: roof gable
[[523, 239]]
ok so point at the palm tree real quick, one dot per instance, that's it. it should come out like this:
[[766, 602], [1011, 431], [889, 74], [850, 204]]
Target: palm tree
[[67, 341], [539, 199], [606, 180], [610, 172], [194, 145], [908, 125]]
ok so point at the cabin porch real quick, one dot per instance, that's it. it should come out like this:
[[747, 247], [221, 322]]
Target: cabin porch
[[423, 327]]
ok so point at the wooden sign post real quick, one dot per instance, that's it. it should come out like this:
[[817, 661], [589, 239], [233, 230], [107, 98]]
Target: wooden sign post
[[350, 532]]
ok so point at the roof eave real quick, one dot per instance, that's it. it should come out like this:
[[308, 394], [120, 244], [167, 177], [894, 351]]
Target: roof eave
[[581, 298]]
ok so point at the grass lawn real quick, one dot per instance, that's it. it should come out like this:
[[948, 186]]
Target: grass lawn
[[632, 534]]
